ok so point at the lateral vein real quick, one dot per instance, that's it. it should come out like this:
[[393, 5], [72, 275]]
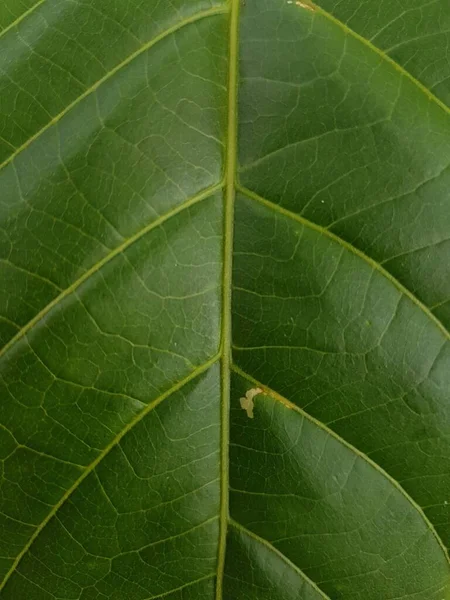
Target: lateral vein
[[348, 31], [106, 259], [290, 405], [326, 232], [101, 456], [193, 19]]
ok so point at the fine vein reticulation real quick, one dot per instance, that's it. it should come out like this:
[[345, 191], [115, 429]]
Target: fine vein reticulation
[[203, 205]]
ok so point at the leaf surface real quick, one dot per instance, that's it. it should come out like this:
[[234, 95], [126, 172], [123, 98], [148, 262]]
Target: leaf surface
[[200, 203]]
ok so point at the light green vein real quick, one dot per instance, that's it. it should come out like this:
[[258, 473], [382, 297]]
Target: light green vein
[[192, 19], [95, 268], [348, 31], [6, 320], [182, 587], [284, 558], [230, 183], [22, 17], [2, 139], [198, 371], [170, 538], [290, 405], [30, 273], [327, 233], [45, 455]]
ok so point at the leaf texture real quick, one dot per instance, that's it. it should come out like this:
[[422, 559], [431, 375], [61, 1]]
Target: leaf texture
[[198, 199]]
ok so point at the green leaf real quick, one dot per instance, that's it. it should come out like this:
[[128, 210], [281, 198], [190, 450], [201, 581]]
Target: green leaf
[[203, 203]]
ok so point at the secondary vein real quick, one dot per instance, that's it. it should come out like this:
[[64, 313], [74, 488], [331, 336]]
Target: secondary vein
[[106, 259], [100, 457], [243, 530], [97, 84], [290, 405], [373, 263], [20, 18], [347, 30]]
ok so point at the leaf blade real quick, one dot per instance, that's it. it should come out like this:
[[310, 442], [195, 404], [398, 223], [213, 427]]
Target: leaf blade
[[340, 300]]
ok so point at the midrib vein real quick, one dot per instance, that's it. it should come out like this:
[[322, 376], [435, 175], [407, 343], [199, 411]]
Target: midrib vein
[[192, 19], [290, 405], [195, 373], [348, 31], [230, 183], [327, 233], [106, 259]]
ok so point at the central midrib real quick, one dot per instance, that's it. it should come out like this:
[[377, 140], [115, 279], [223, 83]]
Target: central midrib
[[225, 349]]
